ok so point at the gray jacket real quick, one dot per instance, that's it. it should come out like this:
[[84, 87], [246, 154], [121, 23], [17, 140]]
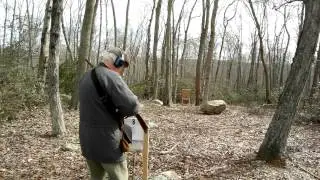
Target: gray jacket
[[98, 130]]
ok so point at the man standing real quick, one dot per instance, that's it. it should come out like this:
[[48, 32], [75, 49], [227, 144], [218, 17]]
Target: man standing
[[99, 128]]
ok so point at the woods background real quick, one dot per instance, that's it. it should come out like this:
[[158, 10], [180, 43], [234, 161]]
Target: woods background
[[167, 43]]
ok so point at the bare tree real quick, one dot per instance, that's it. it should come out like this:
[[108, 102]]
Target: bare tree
[[274, 144], [284, 57], [209, 57], [175, 67], [163, 56], [155, 48], [239, 57], [5, 26], [148, 41], [261, 52], [301, 22], [20, 27], [66, 40], [106, 8], [203, 36], [253, 54], [30, 27], [185, 40], [100, 29], [92, 34], [44, 46], [316, 75], [232, 55], [126, 27], [58, 126], [175, 42], [114, 23], [12, 24], [225, 25], [168, 88], [83, 49]]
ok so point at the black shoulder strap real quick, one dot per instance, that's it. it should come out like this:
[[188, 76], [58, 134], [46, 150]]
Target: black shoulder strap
[[109, 104], [96, 83]]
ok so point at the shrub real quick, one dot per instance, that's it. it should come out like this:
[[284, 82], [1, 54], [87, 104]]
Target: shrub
[[18, 92], [67, 73]]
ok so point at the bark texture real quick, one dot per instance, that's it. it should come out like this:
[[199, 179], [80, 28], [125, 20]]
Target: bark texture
[[210, 53], [155, 49], [44, 46], [84, 49], [274, 143], [204, 32], [58, 126]]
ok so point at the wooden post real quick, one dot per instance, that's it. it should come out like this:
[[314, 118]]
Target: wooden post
[[145, 156], [185, 96]]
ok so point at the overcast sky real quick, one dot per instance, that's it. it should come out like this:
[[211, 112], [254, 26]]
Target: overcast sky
[[140, 10]]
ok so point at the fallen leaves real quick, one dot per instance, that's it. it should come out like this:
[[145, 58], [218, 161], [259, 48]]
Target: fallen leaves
[[193, 145]]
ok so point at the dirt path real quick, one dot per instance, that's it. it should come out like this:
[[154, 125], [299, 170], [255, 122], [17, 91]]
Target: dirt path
[[196, 146]]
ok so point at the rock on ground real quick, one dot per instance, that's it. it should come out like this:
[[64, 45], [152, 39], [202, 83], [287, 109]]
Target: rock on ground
[[157, 101], [213, 107], [167, 175]]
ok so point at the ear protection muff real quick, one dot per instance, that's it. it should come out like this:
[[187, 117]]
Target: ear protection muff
[[118, 62]]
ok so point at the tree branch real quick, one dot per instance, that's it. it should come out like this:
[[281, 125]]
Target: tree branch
[[285, 3]]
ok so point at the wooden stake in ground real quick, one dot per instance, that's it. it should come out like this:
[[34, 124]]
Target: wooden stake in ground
[[145, 151], [145, 156]]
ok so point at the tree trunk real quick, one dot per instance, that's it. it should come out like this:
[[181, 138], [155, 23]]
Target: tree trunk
[[185, 41], [148, 42], [30, 27], [176, 29], [301, 22], [5, 28], [58, 126], [175, 73], [93, 31], [69, 32], [203, 36], [44, 47], [261, 51], [209, 58], [154, 53], [12, 25], [126, 27], [168, 88], [106, 42], [163, 56], [66, 40], [83, 49], [238, 80], [253, 60], [284, 57], [256, 76], [114, 24], [20, 27], [316, 75], [274, 144], [230, 68], [225, 25], [100, 29]]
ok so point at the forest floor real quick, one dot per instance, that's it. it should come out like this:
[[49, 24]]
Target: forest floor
[[194, 145]]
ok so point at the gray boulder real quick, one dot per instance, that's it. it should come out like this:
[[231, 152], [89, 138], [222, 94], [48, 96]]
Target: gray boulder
[[157, 102], [213, 107], [167, 175]]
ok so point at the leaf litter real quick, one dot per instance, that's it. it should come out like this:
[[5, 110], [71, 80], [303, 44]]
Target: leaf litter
[[194, 145]]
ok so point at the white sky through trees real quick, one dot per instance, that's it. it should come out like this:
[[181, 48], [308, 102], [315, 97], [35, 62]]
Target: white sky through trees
[[140, 11]]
